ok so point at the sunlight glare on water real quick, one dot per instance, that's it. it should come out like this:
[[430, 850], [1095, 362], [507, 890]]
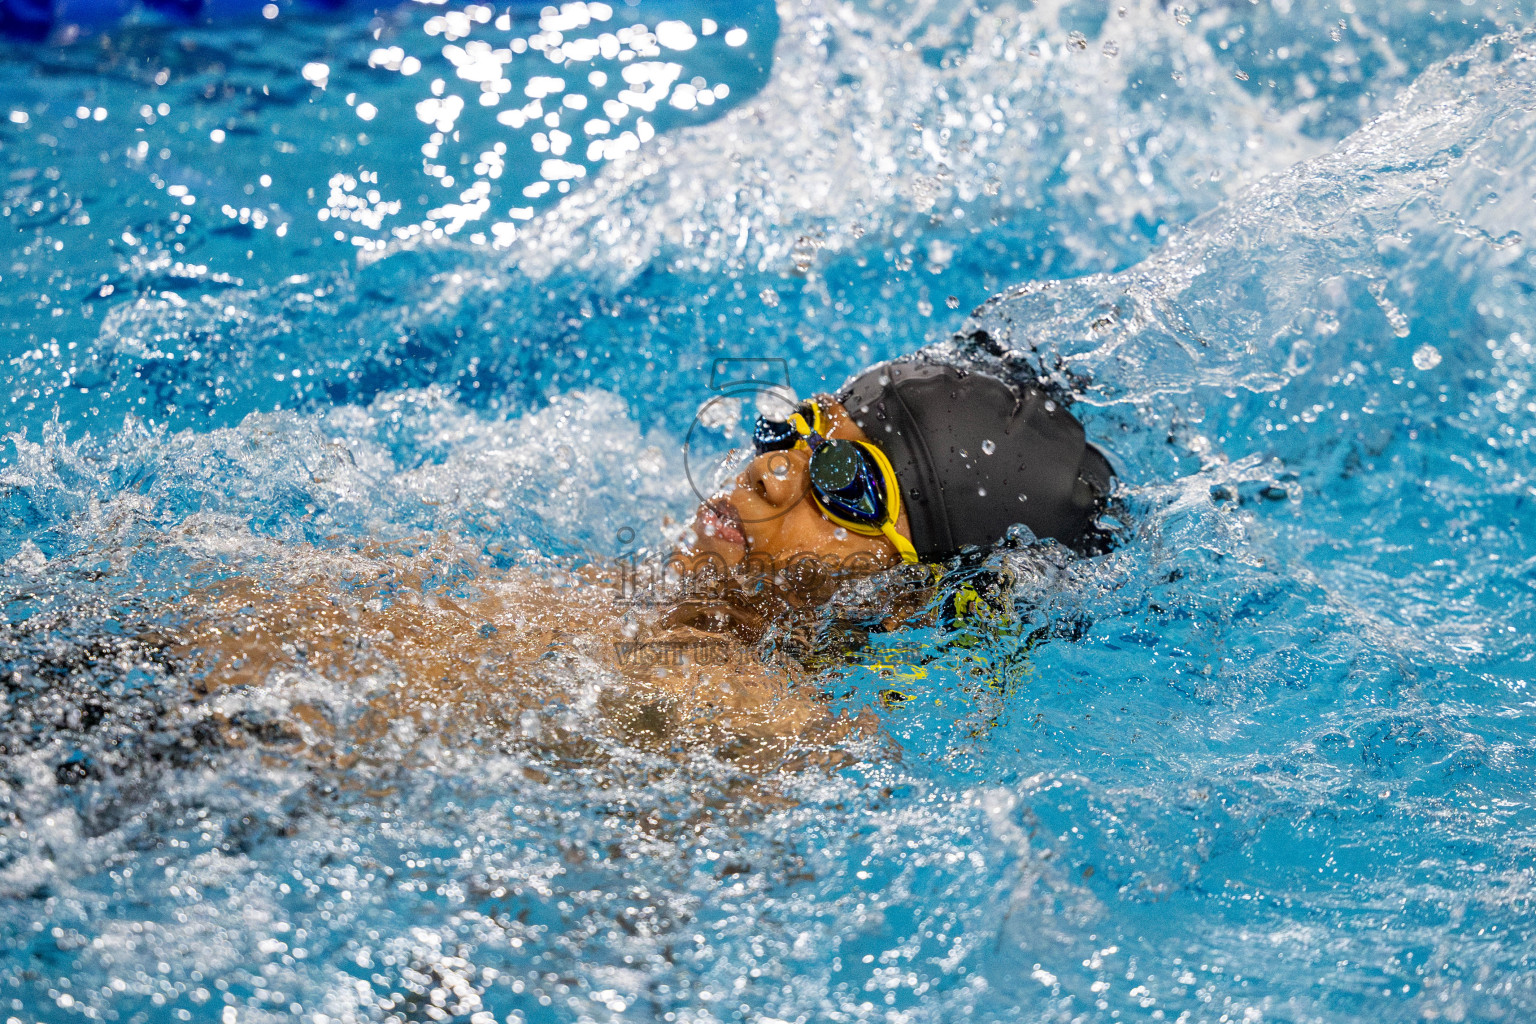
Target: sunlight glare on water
[[374, 310]]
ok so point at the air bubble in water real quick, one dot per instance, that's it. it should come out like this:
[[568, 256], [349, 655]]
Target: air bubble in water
[[720, 414], [981, 492], [1050, 406], [988, 446], [650, 461], [1111, 48], [840, 533], [1426, 357], [775, 403], [769, 296]]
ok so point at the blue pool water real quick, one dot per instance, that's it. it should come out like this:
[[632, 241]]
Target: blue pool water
[[1272, 758]]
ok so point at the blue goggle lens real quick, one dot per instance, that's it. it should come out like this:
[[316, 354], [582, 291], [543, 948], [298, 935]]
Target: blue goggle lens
[[846, 482], [843, 478]]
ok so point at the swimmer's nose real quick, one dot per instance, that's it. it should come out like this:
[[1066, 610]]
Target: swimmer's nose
[[777, 477]]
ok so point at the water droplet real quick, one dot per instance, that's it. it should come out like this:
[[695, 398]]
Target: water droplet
[[988, 446], [780, 467], [1023, 497], [1050, 406], [981, 492], [840, 533], [804, 253], [1426, 357], [1020, 535]]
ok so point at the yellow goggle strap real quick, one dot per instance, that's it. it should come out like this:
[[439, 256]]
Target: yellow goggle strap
[[901, 544], [804, 429]]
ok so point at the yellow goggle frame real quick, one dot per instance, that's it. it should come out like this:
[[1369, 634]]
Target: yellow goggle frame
[[887, 527]]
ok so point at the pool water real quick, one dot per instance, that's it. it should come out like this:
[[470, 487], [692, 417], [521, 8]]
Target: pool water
[[307, 280]]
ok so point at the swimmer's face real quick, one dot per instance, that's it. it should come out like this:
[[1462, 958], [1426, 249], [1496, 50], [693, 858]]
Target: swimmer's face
[[769, 518]]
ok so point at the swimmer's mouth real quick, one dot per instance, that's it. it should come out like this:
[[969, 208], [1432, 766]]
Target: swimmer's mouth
[[720, 519]]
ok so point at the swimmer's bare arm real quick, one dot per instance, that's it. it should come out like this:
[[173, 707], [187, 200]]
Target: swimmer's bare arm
[[719, 694], [488, 656]]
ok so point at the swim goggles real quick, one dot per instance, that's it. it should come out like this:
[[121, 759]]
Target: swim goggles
[[852, 482]]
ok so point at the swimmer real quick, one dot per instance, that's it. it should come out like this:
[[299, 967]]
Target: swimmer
[[910, 463]]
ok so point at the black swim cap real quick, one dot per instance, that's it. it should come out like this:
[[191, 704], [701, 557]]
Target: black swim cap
[[975, 455]]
